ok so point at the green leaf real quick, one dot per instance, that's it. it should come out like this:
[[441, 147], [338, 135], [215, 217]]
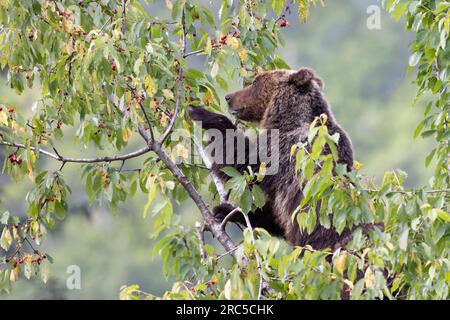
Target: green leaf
[[6, 239], [399, 10], [443, 215], [258, 196], [231, 172], [403, 239], [45, 271], [5, 217], [414, 59], [246, 201], [150, 198], [429, 158], [277, 6]]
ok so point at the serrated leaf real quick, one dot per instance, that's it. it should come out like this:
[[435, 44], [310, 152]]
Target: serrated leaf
[[443, 215], [246, 201], [150, 86], [403, 239], [231, 172], [150, 198], [5, 217], [6, 239], [258, 196], [45, 271], [369, 278]]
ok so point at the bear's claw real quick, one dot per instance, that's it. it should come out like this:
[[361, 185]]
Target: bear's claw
[[210, 120]]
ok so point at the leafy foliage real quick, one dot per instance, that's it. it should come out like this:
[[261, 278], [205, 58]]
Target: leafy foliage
[[115, 72]]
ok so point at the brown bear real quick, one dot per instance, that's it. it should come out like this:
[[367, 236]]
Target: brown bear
[[288, 101]]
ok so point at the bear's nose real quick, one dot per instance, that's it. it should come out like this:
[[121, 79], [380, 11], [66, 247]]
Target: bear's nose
[[228, 98]]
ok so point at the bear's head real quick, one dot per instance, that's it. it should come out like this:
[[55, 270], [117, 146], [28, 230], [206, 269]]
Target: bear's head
[[251, 103]]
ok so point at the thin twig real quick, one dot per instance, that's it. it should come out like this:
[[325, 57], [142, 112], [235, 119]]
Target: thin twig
[[286, 8], [412, 191], [179, 81], [60, 158], [124, 16], [252, 239], [227, 253], [141, 106], [201, 239], [104, 25], [193, 53]]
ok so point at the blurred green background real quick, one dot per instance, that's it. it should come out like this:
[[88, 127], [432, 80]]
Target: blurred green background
[[365, 81]]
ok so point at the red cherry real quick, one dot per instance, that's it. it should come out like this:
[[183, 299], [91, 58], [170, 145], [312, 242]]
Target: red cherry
[[283, 23], [10, 110], [21, 261], [212, 293], [1, 109], [7, 260], [223, 40], [114, 67]]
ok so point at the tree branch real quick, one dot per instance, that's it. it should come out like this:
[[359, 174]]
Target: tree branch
[[201, 239], [227, 253], [177, 107], [63, 159], [141, 106], [124, 16], [193, 53], [262, 282], [213, 225], [223, 194], [409, 192], [257, 258], [179, 81]]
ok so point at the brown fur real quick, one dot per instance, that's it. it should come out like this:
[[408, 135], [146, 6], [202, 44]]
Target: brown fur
[[288, 101]]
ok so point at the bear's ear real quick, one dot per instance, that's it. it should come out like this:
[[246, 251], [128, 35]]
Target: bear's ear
[[319, 82], [304, 77]]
